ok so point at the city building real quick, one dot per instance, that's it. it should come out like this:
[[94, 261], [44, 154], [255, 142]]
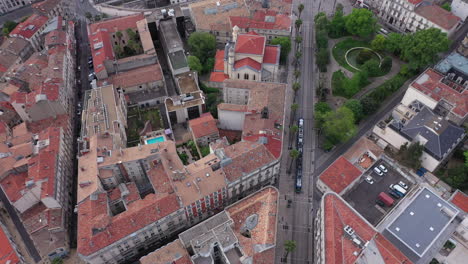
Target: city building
[[460, 200], [344, 236], [52, 8], [244, 232], [422, 225], [10, 5], [246, 57], [446, 97], [173, 46], [271, 17], [339, 177], [9, 253], [204, 129], [37, 162], [463, 47], [261, 120], [455, 68], [412, 15], [31, 30], [14, 51], [460, 8]]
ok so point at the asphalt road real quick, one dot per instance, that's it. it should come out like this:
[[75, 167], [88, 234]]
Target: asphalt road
[[20, 227], [16, 15]]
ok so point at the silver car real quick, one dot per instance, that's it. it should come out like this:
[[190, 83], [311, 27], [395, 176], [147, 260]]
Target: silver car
[[402, 184], [382, 168]]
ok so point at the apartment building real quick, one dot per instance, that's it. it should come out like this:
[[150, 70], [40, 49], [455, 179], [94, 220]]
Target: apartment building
[[35, 176], [244, 231], [204, 129], [31, 30], [270, 18], [10, 5], [460, 8], [413, 15], [246, 57], [9, 252]]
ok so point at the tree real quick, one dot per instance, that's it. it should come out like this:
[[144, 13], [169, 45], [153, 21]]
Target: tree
[[421, 48], [296, 86], [410, 156], [119, 34], [321, 39], [363, 56], [97, 17], [372, 66], [466, 158], [298, 40], [386, 64], [209, 65], [379, 43], [289, 246], [298, 24], [320, 110], [8, 26], [447, 6], [321, 21], [323, 58], [393, 43], [131, 34], [337, 27], [361, 22], [297, 74], [285, 43], [369, 105], [293, 130], [300, 8], [294, 107], [119, 51], [356, 107], [88, 15], [298, 55], [195, 64], [293, 154], [104, 15], [458, 177], [202, 45], [57, 261], [339, 125]]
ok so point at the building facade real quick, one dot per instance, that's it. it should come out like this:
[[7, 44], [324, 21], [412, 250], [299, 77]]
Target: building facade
[[10, 5]]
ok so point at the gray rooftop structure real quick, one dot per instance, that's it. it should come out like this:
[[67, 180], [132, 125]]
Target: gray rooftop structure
[[438, 136], [422, 222], [454, 63], [170, 36]]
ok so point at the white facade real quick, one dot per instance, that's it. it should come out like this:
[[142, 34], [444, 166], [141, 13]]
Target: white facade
[[460, 8], [231, 120], [10, 5]]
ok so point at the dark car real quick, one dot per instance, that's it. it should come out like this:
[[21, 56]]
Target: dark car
[[394, 194], [382, 204]]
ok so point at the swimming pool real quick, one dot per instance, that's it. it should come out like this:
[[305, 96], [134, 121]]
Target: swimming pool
[[154, 140]]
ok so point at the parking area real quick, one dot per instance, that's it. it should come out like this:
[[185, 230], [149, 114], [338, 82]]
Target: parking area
[[364, 195]]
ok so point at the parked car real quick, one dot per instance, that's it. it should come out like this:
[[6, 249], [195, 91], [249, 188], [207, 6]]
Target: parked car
[[382, 168], [369, 180], [394, 194], [402, 184], [379, 202], [378, 171]]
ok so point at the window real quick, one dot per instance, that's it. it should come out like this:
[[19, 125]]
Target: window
[[246, 76], [254, 77], [238, 77]]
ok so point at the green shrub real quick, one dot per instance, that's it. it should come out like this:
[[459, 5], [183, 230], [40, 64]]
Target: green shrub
[[372, 66], [363, 56], [386, 65]]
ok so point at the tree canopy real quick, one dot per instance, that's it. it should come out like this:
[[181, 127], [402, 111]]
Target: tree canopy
[[8, 26], [339, 125], [195, 64], [202, 45], [285, 43], [361, 22], [421, 48], [320, 110], [337, 27], [410, 156], [379, 43], [356, 107], [393, 43]]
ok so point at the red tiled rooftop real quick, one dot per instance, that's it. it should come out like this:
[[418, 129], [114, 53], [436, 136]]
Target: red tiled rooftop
[[250, 43], [218, 77], [117, 24], [340, 174], [258, 21], [272, 54], [460, 199], [439, 16], [340, 249], [430, 83], [205, 125], [219, 61], [29, 27], [56, 37], [138, 76], [13, 184], [248, 62], [44, 7], [7, 253], [415, 2]]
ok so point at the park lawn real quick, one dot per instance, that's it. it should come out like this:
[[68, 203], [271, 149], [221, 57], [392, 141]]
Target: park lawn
[[344, 86], [340, 49]]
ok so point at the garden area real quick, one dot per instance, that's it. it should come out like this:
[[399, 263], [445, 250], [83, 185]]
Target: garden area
[[362, 64], [137, 119], [129, 44]]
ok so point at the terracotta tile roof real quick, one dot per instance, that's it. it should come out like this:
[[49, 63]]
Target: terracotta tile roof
[[56, 37], [7, 252], [117, 24], [218, 77], [97, 229], [250, 43], [219, 61], [232, 107], [173, 253], [340, 174], [414, 2], [439, 16], [340, 249], [360, 147], [248, 62], [13, 185], [46, 6], [264, 204], [267, 20], [205, 125], [138, 76], [272, 54], [62, 121], [29, 27], [460, 199], [430, 83], [246, 157]]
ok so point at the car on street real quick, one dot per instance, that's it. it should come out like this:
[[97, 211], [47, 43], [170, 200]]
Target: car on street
[[382, 168], [394, 194], [369, 180], [382, 204], [91, 76], [404, 185], [378, 171]]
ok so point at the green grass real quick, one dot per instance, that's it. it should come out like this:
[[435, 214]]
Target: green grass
[[136, 119], [346, 87], [340, 49]]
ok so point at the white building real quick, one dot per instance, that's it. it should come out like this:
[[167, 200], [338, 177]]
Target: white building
[[460, 8], [10, 5]]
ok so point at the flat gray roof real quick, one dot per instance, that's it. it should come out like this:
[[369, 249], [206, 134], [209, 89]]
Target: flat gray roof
[[422, 221]]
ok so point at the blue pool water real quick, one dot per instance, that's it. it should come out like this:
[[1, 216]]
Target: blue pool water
[[155, 140]]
